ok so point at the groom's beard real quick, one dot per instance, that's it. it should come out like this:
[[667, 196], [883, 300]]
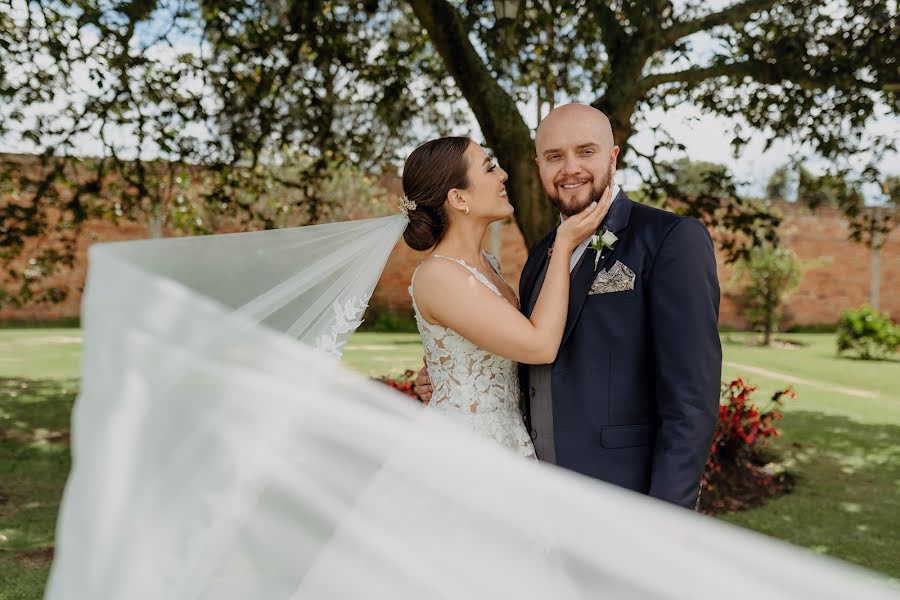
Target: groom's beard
[[574, 206]]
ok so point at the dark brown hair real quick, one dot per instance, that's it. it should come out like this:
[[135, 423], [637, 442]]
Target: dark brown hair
[[430, 172]]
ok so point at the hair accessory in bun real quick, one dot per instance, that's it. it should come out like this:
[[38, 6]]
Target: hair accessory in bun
[[406, 205]]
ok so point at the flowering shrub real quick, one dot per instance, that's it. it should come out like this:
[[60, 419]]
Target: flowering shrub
[[403, 383], [737, 475]]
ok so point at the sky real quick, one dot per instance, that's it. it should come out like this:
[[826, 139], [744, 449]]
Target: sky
[[704, 136]]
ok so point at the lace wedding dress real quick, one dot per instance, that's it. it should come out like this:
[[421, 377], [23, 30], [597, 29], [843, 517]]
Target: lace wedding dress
[[477, 388]]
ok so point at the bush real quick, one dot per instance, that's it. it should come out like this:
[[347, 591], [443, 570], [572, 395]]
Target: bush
[[867, 333], [65, 322], [394, 323], [813, 328], [738, 474], [382, 319]]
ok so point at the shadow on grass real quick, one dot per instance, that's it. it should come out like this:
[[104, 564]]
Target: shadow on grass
[[757, 342], [34, 464], [846, 500], [414, 342], [35, 408], [874, 360]]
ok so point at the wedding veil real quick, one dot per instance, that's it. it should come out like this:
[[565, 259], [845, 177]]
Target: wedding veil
[[215, 456]]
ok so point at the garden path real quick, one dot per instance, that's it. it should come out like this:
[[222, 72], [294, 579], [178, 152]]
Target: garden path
[[821, 385]]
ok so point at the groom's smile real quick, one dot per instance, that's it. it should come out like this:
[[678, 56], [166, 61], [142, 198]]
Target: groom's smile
[[574, 186]]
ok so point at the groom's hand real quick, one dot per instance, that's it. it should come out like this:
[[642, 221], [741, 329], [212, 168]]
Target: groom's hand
[[422, 385]]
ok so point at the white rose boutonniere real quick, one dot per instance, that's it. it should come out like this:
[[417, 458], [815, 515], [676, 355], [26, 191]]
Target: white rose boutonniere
[[600, 242]]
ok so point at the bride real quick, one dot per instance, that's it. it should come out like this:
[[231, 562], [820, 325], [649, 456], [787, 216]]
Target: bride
[[468, 316]]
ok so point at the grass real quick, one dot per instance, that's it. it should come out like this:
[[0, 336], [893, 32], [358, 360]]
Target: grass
[[36, 353], [383, 353], [841, 437], [34, 463], [847, 500], [828, 380]]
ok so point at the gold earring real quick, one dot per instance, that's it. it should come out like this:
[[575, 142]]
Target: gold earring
[[467, 209]]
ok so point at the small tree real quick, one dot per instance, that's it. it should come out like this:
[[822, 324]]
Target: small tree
[[769, 275]]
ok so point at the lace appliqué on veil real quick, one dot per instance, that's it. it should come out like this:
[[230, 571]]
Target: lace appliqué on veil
[[347, 317], [471, 384]]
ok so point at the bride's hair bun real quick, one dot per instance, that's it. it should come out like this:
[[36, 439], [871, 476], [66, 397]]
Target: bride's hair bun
[[425, 229], [430, 172]]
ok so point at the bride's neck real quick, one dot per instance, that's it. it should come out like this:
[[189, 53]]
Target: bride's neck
[[463, 240]]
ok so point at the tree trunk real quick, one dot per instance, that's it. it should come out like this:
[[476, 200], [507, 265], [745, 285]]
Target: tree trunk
[[534, 214], [503, 127], [155, 223], [771, 305], [505, 132], [876, 243], [621, 98]]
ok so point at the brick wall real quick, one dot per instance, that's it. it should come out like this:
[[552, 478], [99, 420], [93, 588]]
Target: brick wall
[[837, 271], [836, 274]]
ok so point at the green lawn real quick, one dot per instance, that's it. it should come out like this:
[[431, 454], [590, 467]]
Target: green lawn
[[378, 354], [40, 353], [865, 391], [841, 437]]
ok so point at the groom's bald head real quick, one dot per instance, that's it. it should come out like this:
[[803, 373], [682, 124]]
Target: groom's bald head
[[574, 120], [576, 156]]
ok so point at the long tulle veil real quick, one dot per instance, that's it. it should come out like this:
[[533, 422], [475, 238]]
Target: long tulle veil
[[220, 451]]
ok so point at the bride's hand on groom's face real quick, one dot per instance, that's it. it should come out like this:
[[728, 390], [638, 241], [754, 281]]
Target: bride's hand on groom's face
[[422, 386], [578, 228]]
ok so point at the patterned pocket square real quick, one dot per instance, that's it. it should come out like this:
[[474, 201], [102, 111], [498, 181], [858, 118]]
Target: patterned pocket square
[[618, 279]]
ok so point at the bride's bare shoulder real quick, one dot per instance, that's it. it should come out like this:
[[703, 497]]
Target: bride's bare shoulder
[[438, 273]]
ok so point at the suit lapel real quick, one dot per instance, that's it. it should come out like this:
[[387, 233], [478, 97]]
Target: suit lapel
[[615, 221]]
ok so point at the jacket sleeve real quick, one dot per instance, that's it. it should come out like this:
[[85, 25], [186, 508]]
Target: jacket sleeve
[[684, 311]]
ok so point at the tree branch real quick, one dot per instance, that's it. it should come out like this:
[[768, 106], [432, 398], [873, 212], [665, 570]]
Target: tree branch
[[697, 75], [493, 107], [759, 72], [736, 13]]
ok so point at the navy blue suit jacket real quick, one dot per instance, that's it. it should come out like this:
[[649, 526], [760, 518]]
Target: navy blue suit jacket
[[636, 382]]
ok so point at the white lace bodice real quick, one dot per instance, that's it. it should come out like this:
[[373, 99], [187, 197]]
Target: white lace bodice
[[470, 384]]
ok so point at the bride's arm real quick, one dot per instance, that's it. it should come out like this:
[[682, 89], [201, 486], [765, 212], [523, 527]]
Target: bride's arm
[[451, 296]]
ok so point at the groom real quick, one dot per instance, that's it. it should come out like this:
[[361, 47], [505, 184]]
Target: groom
[[632, 398]]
